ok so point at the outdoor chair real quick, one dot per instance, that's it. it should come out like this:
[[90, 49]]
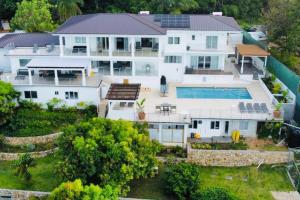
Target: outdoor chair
[[257, 108], [249, 108], [242, 107], [264, 108], [158, 108], [122, 104], [173, 109], [130, 104]]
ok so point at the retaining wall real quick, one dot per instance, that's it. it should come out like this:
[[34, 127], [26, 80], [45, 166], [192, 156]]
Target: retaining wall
[[21, 194], [32, 140], [236, 158], [15, 156]]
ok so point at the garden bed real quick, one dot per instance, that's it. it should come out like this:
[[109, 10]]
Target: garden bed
[[220, 146], [6, 148], [169, 151]]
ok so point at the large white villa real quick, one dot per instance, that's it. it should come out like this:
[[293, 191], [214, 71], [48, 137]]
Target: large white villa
[[193, 71]]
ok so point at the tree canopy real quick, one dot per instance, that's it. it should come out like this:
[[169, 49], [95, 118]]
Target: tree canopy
[[77, 191], [33, 16], [103, 151], [68, 8], [8, 95]]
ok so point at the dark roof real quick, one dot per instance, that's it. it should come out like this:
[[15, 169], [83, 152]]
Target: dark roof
[[28, 39], [123, 91], [137, 24]]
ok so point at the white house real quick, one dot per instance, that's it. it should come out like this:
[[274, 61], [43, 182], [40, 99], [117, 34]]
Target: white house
[[210, 84]]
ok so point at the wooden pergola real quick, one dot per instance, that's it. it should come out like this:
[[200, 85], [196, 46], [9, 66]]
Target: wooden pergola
[[250, 50], [125, 92]]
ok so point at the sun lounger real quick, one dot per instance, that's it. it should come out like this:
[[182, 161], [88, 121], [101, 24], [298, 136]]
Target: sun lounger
[[257, 108], [264, 108], [249, 108], [242, 107]]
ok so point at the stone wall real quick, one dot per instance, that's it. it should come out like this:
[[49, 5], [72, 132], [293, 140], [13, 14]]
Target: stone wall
[[234, 158], [31, 140], [21, 194], [15, 156]]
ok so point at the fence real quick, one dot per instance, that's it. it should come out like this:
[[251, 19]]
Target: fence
[[281, 71]]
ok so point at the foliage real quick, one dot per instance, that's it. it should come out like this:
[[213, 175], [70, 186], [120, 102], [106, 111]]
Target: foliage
[[8, 8], [68, 8], [213, 194], [8, 95], [278, 106], [141, 105], [75, 190], [30, 105], [33, 16], [182, 179], [176, 151], [22, 164], [201, 146], [103, 151], [276, 88], [2, 141], [221, 146], [269, 129], [55, 103], [289, 59]]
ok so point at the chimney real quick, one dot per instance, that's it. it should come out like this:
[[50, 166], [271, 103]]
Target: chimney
[[144, 12], [217, 13]]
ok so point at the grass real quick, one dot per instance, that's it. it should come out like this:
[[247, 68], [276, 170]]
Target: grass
[[43, 176], [258, 186], [27, 148]]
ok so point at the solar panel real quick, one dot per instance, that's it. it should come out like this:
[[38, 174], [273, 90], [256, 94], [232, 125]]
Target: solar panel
[[174, 21]]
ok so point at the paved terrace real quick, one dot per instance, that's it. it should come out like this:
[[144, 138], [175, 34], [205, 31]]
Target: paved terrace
[[204, 108]]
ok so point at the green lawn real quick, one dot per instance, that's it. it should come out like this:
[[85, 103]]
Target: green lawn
[[247, 182], [43, 176]]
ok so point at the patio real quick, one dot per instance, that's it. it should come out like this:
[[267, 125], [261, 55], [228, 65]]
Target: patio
[[248, 69]]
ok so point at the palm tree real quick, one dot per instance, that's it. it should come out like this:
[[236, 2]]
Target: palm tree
[[68, 8]]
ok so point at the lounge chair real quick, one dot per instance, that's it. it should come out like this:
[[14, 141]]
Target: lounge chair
[[173, 109], [257, 108], [242, 107], [264, 108], [249, 108], [158, 108]]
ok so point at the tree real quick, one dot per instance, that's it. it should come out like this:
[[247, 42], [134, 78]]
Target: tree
[[33, 16], [68, 8], [22, 164], [182, 179], [213, 194], [282, 19], [8, 95], [173, 6], [76, 191], [103, 151], [8, 8]]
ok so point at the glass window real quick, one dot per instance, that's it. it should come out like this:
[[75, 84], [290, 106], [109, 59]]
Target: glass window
[[24, 62], [30, 94], [211, 42], [71, 95], [193, 37], [80, 40], [56, 93], [153, 126], [207, 61], [176, 40], [243, 125], [172, 59], [170, 40], [215, 125]]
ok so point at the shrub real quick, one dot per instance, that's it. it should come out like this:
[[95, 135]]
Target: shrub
[[201, 146], [276, 88], [22, 164], [2, 141], [213, 194], [30, 105], [182, 179], [177, 151], [269, 128]]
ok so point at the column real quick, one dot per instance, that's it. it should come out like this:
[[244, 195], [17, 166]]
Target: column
[[110, 44], [242, 66], [266, 59], [29, 77], [133, 68], [237, 58], [83, 77], [111, 67], [61, 45], [160, 133], [56, 77], [88, 50], [132, 40]]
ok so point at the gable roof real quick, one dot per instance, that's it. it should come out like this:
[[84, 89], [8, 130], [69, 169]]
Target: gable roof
[[137, 24], [28, 39]]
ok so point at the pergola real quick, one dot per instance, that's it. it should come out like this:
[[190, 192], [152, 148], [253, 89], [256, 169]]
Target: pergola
[[58, 64], [250, 50]]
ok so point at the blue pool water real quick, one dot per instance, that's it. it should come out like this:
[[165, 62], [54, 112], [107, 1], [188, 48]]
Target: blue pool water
[[212, 93]]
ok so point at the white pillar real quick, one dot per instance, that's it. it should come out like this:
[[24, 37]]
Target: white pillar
[[29, 77], [242, 67], [111, 67], [83, 77], [88, 50], [56, 77], [237, 58], [61, 45], [111, 46], [132, 40], [133, 68], [266, 59]]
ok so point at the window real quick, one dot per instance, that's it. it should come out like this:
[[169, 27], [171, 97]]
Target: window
[[24, 62], [243, 125], [205, 62], [30, 94], [153, 126], [80, 40], [193, 37], [71, 95], [211, 42], [215, 125], [173, 40], [172, 59], [56, 93]]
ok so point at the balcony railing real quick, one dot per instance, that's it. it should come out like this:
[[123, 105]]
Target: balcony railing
[[100, 53], [121, 53], [146, 52], [75, 52], [206, 71]]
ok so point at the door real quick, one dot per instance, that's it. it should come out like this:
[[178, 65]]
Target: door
[[226, 127], [199, 127]]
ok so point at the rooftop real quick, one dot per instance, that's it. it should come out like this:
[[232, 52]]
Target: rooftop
[[251, 50]]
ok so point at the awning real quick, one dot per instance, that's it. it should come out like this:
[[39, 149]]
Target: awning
[[128, 92], [58, 63], [251, 50]]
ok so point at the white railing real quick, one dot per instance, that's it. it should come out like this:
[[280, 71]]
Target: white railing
[[100, 53], [146, 53], [121, 53], [69, 52]]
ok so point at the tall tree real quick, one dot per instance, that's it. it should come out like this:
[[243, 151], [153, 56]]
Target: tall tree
[[282, 18], [68, 8], [173, 6], [103, 151], [33, 16], [76, 191], [8, 8], [8, 95]]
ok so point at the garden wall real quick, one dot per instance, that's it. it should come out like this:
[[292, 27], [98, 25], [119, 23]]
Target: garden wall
[[15, 156], [235, 158], [32, 140], [21, 194]]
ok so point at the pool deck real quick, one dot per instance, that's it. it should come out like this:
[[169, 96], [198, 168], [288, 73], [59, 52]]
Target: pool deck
[[204, 108]]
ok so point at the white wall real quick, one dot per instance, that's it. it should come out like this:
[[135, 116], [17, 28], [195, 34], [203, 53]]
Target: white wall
[[46, 93], [4, 61]]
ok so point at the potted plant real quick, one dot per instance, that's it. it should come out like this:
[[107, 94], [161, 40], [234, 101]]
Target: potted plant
[[276, 112], [140, 109]]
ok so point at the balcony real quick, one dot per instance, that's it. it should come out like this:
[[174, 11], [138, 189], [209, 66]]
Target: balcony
[[122, 68], [146, 69], [121, 52], [75, 51], [190, 70], [100, 52], [146, 52]]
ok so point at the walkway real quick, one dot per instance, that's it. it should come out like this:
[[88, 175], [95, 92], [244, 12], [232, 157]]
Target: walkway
[[286, 195]]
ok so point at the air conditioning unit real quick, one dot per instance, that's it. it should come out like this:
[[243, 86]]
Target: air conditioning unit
[[188, 48], [144, 12]]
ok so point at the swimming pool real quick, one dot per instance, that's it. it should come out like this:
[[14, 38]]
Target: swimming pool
[[212, 93]]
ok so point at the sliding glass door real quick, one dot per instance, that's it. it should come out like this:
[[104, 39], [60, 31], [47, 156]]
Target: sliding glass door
[[205, 62]]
